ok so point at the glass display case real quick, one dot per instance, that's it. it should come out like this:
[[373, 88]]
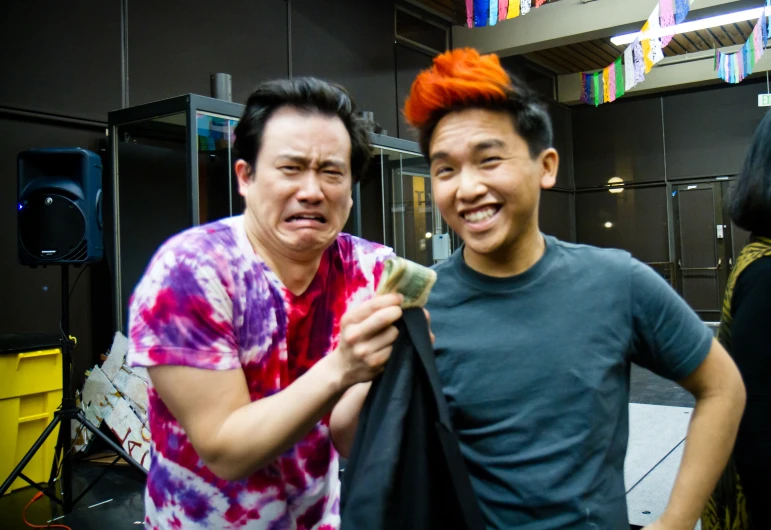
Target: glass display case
[[172, 168], [411, 223]]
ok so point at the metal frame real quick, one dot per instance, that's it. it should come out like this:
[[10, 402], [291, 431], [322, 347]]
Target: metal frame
[[190, 104]]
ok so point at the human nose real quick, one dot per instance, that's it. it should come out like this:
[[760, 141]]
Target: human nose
[[310, 188], [470, 186]]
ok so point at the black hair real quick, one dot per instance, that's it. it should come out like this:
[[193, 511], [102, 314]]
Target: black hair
[[750, 201], [528, 114], [306, 94]]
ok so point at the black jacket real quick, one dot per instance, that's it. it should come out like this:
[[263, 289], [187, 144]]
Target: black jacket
[[406, 470]]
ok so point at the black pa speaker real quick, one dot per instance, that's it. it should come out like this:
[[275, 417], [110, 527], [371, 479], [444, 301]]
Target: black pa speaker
[[59, 207]]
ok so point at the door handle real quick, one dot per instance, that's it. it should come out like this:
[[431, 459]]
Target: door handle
[[693, 269]]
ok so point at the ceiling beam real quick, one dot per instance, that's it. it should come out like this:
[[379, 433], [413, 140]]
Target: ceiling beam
[[672, 73], [571, 21]]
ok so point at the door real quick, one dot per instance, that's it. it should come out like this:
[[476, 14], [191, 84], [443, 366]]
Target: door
[[702, 251]]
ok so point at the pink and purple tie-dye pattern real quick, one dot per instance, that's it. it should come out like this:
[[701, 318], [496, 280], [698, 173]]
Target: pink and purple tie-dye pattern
[[208, 301]]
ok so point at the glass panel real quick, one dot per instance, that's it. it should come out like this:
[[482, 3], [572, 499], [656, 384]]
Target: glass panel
[[633, 219], [554, 214], [217, 188], [414, 219], [152, 178]]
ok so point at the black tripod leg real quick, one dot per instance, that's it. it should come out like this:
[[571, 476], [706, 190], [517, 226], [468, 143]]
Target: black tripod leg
[[31, 453], [115, 447], [97, 479]]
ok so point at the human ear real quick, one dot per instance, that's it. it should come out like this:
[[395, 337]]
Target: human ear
[[245, 173], [550, 162]]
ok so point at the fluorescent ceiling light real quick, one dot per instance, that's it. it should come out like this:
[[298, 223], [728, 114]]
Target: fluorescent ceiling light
[[694, 25]]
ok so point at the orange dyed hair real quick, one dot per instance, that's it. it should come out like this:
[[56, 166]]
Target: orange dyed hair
[[457, 78]]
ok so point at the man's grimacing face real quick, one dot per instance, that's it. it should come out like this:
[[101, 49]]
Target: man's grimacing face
[[485, 182], [300, 194]]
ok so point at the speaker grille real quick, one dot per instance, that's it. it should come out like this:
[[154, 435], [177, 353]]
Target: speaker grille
[[51, 228]]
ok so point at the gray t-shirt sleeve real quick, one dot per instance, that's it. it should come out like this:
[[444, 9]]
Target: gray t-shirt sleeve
[[668, 337]]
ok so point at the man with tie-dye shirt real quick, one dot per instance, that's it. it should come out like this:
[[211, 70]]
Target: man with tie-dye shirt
[[262, 331]]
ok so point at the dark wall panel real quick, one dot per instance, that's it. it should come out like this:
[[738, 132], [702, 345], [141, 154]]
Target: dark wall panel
[[637, 217], [707, 133], [623, 139], [527, 72], [176, 45], [555, 216], [32, 297], [61, 57], [409, 64], [562, 122], [352, 43]]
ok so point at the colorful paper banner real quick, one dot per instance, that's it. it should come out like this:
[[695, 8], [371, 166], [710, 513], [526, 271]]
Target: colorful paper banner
[[630, 68], [481, 13], [735, 67]]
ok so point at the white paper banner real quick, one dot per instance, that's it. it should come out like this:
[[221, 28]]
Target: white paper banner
[[628, 68]]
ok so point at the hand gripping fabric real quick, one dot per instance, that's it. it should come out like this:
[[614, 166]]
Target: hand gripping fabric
[[406, 470]]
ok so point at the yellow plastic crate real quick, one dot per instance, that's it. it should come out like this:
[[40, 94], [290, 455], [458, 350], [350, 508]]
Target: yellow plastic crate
[[30, 393]]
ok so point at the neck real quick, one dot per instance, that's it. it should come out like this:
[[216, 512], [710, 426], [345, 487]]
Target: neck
[[296, 273], [510, 261]]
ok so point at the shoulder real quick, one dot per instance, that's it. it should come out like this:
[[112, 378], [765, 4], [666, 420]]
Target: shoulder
[[592, 266], [588, 255], [205, 242], [362, 252], [754, 281], [199, 255]]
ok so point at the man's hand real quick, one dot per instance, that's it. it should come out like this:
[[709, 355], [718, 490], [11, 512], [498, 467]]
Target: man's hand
[[345, 415], [367, 334]]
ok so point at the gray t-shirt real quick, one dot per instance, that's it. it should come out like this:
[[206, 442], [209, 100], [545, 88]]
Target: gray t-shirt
[[536, 372]]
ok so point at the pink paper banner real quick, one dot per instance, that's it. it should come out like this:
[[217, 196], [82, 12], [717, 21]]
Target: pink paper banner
[[666, 18], [612, 82], [503, 9]]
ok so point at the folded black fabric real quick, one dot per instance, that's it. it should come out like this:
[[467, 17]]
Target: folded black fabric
[[406, 470]]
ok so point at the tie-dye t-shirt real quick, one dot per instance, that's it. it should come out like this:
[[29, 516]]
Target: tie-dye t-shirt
[[208, 301]]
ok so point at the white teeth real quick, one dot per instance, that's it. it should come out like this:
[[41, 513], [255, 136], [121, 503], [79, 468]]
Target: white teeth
[[480, 215], [312, 217]]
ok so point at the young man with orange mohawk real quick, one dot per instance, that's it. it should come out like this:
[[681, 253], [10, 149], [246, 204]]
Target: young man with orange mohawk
[[534, 337]]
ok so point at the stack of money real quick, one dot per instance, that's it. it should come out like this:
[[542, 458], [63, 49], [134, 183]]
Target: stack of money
[[412, 280]]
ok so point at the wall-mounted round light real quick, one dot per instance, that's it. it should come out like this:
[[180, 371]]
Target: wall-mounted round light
[[429, 235], [608, 225], [617, 182]]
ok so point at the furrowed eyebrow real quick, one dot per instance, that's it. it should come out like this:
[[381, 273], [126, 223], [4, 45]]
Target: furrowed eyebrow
[[303, 161], [297, 159], [334, 164]]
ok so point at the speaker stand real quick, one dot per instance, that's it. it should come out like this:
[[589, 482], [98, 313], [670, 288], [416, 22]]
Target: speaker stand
[[67, 413]]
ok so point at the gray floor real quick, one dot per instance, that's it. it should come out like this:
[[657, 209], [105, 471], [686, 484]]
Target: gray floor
[[115, 503], [659, 414], [651, 389]]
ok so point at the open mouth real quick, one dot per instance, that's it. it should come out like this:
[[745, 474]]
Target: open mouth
[[481, 214], [304, 218]]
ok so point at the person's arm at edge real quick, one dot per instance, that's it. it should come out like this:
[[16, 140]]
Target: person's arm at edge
[[720, 398]]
